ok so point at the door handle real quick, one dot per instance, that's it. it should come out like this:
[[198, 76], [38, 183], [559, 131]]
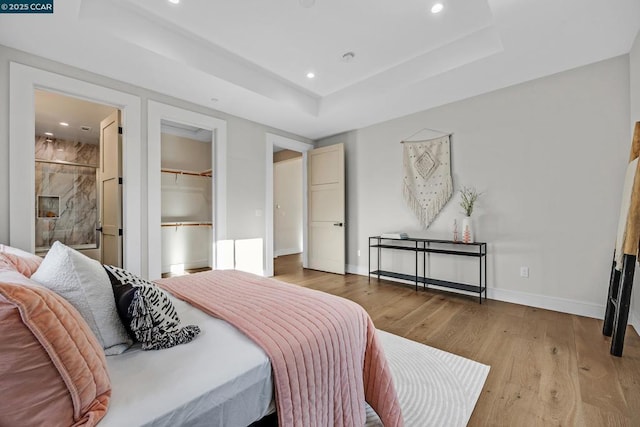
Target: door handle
[[337, 224], [99, 229]]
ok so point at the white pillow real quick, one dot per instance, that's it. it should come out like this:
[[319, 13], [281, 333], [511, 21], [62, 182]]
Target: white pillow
[[85, 284]]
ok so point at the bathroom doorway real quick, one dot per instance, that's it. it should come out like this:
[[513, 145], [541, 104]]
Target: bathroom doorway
[[78, 163]]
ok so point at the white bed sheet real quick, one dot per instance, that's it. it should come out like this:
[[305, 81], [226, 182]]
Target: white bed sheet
[[221, 378]]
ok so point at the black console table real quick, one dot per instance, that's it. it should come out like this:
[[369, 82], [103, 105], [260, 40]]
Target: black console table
[[424, 246]]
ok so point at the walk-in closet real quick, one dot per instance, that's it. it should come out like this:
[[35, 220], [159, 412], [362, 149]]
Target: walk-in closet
[[187, 199]]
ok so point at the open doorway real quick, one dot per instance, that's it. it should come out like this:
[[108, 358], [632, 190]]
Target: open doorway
[[287, 208], [276, 144], [214, 250], [71, 138], [187, 199], [23, 81]]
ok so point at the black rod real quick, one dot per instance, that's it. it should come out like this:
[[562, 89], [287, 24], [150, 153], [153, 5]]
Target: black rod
[[624, 300], [610, 310]]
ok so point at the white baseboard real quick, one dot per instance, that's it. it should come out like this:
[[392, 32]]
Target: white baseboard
[[564, 305], [287, 251], [356, 269]]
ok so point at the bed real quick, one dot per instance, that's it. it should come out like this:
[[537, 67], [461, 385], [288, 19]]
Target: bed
[[263, 346], [197, 393]]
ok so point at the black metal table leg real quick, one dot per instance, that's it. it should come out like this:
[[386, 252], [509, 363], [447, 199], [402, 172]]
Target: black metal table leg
[[379, 253], [416, 266], [369, 258], [480, 275], [424, 264], [485, 272]]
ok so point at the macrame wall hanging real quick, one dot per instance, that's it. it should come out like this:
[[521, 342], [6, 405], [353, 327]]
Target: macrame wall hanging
[[427, 184]]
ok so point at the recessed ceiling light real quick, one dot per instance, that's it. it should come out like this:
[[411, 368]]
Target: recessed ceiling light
[[48, 133], [311, 75], [64, 124], [214, 100], [437, 8], [174, 1]]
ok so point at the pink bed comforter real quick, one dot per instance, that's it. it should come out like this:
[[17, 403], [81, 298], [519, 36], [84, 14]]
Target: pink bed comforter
[[325, 354]]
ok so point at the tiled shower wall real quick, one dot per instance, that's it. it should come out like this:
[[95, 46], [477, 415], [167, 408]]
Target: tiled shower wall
[[76, 186]]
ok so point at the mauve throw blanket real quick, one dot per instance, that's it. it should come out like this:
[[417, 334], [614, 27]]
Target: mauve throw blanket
[[325, 354]]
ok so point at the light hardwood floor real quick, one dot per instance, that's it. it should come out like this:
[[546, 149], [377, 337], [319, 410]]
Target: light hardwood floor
[[547, 368]]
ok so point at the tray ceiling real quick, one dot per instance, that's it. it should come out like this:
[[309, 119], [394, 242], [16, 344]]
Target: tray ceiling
[[250, 57]]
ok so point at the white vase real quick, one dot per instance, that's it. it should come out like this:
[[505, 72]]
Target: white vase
[[467, 230]]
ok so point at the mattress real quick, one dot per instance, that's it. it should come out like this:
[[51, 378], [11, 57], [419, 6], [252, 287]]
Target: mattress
[[221, 378]]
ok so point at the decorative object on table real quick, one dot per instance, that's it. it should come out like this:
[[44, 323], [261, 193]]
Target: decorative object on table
[[455, 230], [467, 231], [395, 235], [427, 183], [468, 198]]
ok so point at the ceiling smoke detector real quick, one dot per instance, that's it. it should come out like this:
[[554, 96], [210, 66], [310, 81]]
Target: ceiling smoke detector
[[348, 57], [85, 128]]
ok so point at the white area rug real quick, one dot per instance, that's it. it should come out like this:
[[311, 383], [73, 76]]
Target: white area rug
[[435, 388]]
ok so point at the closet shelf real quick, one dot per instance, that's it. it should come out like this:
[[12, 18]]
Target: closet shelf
[[208, 173], [187, 224]]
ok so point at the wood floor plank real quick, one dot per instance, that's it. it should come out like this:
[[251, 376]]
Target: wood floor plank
[[599, 388], [559, 391], [628, 374], [500, 400], [547, 368]]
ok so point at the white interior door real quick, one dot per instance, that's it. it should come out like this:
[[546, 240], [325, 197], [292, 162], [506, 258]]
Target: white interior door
[[111, 190], [326, 209]]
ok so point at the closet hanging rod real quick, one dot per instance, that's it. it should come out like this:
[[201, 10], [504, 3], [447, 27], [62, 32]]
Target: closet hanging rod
[[65, 163], [187, 224], [207, 173]]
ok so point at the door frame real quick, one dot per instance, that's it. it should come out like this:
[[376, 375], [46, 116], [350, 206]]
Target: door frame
[[290, 144], [23, 81], [156, 112]]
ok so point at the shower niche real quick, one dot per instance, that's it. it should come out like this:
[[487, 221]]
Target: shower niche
[[48, 207]]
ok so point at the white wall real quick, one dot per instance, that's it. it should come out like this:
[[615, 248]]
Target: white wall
[[245, 149], [634, 73], [185, 153], [287, 202], [549, 155]]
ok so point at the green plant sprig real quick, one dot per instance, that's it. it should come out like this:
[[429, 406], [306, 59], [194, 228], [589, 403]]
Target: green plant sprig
[[468, 198]]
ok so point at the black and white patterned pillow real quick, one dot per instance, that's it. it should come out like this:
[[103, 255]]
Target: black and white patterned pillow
[[147, 311]]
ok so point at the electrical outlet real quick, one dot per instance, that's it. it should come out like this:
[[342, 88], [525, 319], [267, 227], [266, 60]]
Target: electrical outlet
[[358, 252], [524, 272]]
